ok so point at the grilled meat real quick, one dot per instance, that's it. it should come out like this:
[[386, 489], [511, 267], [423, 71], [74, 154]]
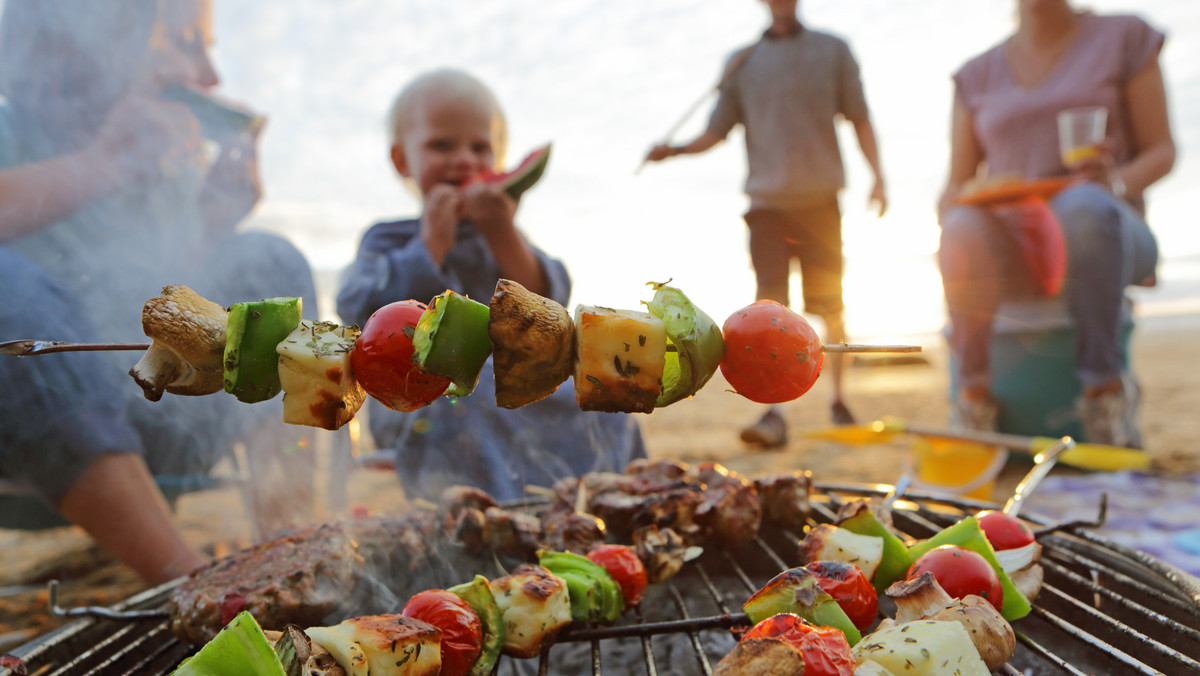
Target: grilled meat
[[730, 509], [291, 580], [785, 499], [566, 530]]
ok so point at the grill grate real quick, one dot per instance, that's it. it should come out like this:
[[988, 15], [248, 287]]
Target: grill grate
[[1103, 609]]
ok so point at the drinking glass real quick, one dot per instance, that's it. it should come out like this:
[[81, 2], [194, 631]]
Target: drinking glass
[[1081, 133]]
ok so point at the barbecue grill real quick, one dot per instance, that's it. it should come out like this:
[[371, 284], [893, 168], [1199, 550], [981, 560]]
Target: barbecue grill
[[1104, 609]]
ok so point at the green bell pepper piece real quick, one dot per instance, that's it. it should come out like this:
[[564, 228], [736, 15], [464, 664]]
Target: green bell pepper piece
[[478, 594], [251, 336], [239, 648], [967, 534], [699, 346], [896, 557], [451, 340], [796, 591], [595, 595]]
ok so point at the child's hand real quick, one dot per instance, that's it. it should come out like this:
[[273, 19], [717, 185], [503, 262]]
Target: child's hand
[[489, 208], [439, 221]]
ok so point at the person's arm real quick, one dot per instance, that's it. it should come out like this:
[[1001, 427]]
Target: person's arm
[[493, 212], [865, 132], [34, 196], [701, 143], [965, 154], [140, 138], [1146, 94]]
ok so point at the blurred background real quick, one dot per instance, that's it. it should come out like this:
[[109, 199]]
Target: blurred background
[[603, 80]]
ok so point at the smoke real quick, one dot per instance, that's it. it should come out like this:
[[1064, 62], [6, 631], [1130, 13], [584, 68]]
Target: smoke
[[84, 75]]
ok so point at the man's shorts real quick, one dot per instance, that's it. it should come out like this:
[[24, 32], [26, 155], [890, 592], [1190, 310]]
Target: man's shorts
[[813, 236]]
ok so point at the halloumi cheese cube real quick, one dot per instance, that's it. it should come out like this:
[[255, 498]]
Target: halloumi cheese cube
[[319, 387], [620, 359], [535, 606], [383, 645]]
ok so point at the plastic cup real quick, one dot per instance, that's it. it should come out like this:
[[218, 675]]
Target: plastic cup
[[1081, 133], [962, 468]]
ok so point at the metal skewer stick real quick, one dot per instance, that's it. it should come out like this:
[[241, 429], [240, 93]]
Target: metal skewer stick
[[846, 347], [22, 348]]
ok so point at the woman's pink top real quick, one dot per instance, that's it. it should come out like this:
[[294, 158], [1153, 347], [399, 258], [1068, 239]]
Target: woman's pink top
[[1017, 128]]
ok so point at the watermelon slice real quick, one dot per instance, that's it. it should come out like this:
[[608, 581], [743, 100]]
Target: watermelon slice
[[527, 173]]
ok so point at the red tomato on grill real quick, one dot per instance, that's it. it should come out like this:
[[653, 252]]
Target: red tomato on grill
[[623, 564], [850, 588], [961, 572], [825, 650], [382, 359], [462, 632], [772, 354], [1004, 531]]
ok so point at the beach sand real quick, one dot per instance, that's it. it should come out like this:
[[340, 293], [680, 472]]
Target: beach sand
[[704, 428]]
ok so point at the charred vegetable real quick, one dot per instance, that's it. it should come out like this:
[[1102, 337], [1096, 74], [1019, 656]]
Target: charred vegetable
[[697, 341], [255, 329], [188, 333], [452, 341], [595, 595], [533, 344], [478, 594], [239, 648], [967, 534], [798, 591]]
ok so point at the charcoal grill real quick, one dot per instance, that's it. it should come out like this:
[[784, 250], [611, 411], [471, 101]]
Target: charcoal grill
[[1104, 609]]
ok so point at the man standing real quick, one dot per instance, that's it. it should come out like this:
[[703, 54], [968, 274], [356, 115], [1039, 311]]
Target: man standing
[[788, 90]]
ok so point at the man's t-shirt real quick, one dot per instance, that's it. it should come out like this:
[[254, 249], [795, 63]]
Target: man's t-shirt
[[788, 94]]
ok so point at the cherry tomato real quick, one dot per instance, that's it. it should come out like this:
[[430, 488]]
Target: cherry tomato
[[1004, 531], [462, 632], [961, 572], [625, 567], [772, 354], [382, 359], [847, 584], [825, 650]]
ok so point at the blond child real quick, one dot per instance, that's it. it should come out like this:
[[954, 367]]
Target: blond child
[[447, 128]]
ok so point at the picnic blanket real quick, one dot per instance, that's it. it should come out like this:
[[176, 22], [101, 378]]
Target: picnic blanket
[[1150, 512]]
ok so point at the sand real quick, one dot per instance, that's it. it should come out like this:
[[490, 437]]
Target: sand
[[701, 429]]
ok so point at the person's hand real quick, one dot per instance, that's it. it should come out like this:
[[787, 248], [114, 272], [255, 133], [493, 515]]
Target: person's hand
[[878, 199], [1098, 168], [144, 137], [489, 208], [660, 152], [231, 187], [439, 220]]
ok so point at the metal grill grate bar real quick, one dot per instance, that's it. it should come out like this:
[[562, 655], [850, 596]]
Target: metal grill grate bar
[[692, 635], [1163, 622], [1119, 629], [1066, 554]]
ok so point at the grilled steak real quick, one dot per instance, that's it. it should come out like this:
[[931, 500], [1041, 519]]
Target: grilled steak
[[298, 579]]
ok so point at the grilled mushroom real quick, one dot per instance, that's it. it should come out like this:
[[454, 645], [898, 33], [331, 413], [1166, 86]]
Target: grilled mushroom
[[922, 598], [188, 348], [533, 344]]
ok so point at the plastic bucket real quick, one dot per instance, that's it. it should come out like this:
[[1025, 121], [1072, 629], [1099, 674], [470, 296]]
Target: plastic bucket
[[962, 468]]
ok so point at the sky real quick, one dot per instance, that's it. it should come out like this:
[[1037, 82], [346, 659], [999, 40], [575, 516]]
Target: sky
[[604, 80]]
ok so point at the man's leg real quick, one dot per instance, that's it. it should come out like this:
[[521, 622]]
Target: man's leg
[[771, 257], [835, 332], [817, 236]]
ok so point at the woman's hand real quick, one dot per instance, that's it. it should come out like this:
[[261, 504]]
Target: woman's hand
[[1098, 168], [232, 186], [142, 138]]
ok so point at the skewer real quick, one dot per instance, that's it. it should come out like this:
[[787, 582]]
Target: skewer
[[846, 347], [23, 348]]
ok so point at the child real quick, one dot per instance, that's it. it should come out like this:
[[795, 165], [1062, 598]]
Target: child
[[447, 128]]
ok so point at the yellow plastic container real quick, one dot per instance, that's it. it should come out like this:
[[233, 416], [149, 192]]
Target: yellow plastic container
[[965, 468]]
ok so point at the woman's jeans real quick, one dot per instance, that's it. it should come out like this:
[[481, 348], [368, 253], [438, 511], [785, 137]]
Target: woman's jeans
[[1109, 246]]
